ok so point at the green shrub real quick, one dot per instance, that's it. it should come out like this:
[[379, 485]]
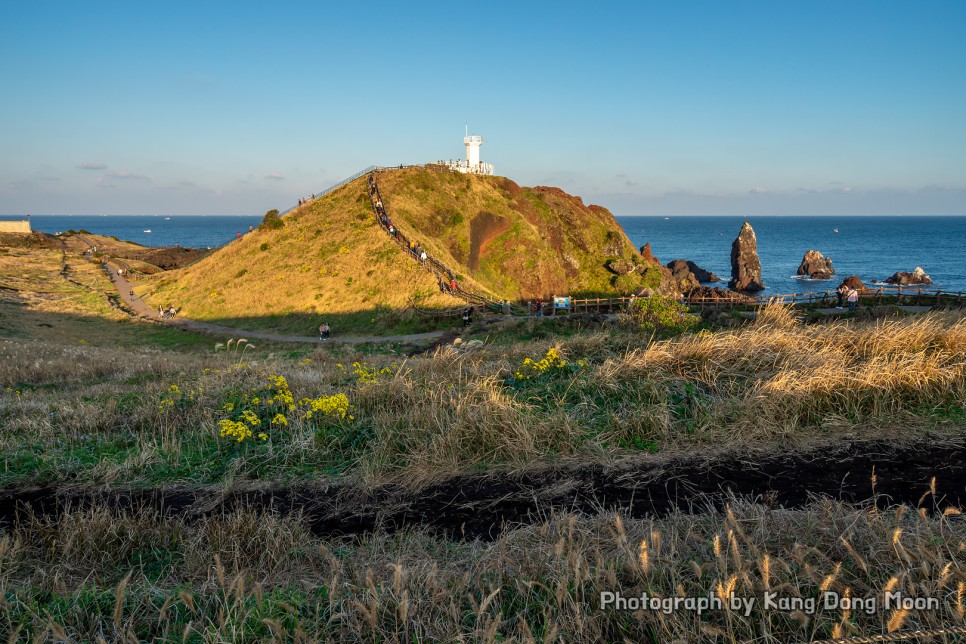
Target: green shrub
[[264, 246], [271, 221], [627, 284], [651, 277], [659, 314], [241, 273]]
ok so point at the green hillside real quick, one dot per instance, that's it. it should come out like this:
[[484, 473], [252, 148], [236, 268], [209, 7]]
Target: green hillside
[[517, 242]]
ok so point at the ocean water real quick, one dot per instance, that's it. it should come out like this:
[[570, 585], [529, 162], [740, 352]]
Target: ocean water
[[870, 247], [193, 231]]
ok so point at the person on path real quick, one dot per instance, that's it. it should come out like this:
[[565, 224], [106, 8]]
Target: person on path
[[853, 298], [160, 312], [841, 292], [324, 331], [452, 285]]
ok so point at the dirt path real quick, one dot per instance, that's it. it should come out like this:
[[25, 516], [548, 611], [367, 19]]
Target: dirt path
[[125, 291], [481, 506]]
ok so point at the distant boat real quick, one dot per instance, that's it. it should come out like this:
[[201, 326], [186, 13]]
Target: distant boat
[[148, 230], [667, 217], [835, 230], [167, 218]]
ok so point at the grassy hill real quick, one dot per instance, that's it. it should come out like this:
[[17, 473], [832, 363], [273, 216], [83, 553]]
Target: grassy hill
[[517, 242], [332, 259]]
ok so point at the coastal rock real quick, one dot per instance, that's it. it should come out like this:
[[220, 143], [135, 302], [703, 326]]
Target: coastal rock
[[682, 274], [717, 293], [745, 265], [816, 266], [905, 278], [648, 256], [853, 281], [701, 274]]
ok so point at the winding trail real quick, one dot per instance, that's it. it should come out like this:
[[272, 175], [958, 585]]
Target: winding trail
[[139, 308]]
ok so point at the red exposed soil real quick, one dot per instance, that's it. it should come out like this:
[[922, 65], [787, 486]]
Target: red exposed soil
[[482, 506], [484, 227]]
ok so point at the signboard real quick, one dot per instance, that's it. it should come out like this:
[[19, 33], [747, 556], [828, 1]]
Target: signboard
[[561, 302]]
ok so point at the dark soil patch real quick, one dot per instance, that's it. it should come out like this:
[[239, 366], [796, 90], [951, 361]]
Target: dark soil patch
[[481, 506], [483, 228]]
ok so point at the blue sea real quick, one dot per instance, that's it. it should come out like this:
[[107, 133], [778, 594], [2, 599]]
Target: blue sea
[[870, 247], [194, 231]]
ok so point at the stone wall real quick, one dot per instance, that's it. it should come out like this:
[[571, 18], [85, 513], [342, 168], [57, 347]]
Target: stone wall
[[15, 226]]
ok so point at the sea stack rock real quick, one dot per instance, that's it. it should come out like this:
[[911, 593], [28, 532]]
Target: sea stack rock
[[745, 265], [816, 266], [648, 255]]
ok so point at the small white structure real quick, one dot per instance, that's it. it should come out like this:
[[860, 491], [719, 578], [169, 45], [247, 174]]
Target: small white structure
[[472, 165]]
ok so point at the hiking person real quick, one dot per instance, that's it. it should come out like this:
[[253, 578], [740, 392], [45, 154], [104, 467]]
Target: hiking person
[[423, 256], [324, 331], [452, 285], [160, 312]]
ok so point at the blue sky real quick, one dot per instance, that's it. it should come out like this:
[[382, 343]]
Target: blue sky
[[646, 108]]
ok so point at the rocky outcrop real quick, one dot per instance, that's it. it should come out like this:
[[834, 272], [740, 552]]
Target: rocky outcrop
[[816, 266], [853, 281], [648, 255], [717, 293], [620, 266], [905, 278], [745, 265], [686, 281], [702, 275]]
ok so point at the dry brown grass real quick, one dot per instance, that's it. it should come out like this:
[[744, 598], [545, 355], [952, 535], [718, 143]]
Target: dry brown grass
[[330, 258], [250, 576]]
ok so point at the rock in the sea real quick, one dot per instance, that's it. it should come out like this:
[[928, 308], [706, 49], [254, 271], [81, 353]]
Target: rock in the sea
[[853, 281], [701, 274], [745, 265], [816, 266], [648, 255], [905, 278]]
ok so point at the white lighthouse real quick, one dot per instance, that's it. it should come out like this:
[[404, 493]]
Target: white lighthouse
[[473, 143], [472, 165]]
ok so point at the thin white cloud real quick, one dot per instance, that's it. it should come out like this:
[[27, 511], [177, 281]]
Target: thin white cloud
[[127, 174], [275, 176], [758, 190], [89, 165]]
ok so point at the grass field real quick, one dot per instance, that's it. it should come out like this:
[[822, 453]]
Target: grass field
[[93, 405]]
